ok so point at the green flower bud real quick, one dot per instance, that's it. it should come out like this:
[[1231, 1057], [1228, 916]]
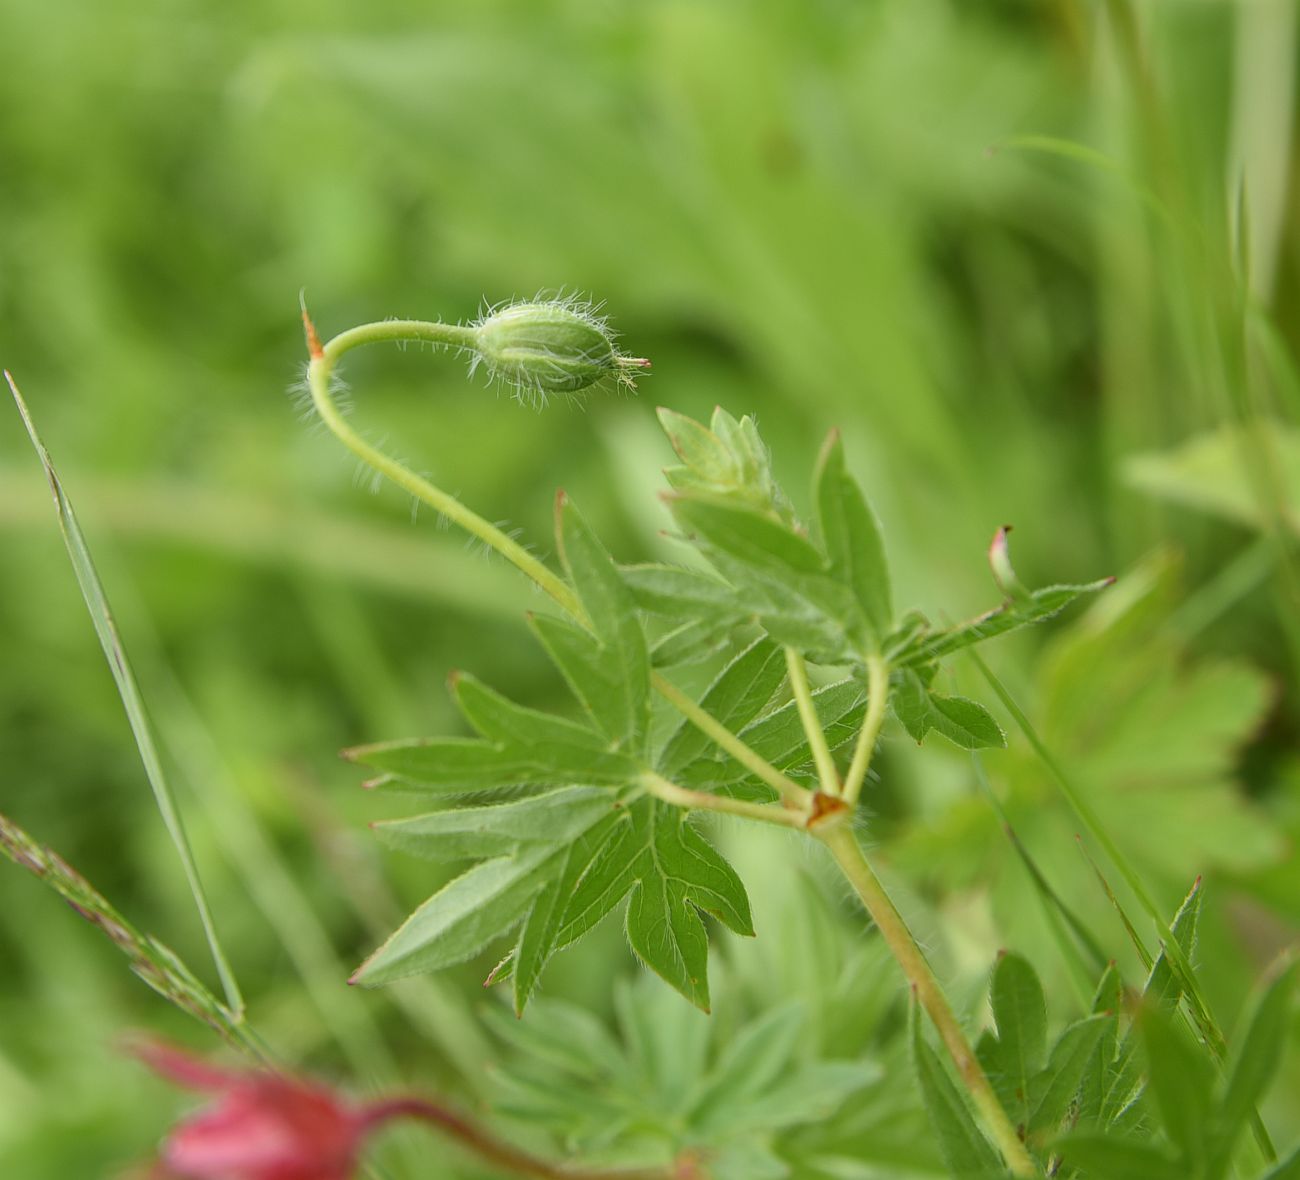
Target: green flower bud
[[550, 346]]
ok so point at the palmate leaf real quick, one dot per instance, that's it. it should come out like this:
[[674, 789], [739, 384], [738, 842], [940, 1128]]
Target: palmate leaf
[[551, 864], [668, 871]]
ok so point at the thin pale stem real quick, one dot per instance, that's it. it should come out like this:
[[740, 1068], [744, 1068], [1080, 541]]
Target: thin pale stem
[[318, 381], [843, 845], [877, 700], [323, 359], [812, 727], [792, 795], [768, 813], [488, 1147]]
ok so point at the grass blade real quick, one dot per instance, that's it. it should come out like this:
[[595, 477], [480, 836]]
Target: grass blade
[[102, 618]]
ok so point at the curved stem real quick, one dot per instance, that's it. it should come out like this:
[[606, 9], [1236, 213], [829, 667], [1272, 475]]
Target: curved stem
[[843, 846], [768, 813], [487, 1146], [877, 700], [812, 727], [319, 371]]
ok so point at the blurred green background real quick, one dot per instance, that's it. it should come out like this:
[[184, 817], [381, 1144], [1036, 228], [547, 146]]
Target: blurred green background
[[1020, 251]]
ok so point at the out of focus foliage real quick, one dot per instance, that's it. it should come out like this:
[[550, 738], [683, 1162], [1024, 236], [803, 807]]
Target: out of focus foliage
[[1039, 261]]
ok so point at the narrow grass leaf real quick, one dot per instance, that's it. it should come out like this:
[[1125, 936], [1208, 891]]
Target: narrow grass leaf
[[102, 618]]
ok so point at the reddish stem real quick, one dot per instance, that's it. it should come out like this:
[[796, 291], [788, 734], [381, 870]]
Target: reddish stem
[[488, 1147]]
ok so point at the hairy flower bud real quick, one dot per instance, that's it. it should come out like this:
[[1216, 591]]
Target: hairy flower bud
[[550, 346]]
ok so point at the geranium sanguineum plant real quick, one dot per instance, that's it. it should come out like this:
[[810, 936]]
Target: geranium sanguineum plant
[[596, 810]]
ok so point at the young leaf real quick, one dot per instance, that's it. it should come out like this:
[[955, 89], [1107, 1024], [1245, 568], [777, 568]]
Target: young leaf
[[851, 534], [964, 1149], [1021, 608], [708, 460], [961, 721]]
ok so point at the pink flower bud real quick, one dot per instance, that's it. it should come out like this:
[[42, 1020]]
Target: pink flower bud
[[260, 1125]]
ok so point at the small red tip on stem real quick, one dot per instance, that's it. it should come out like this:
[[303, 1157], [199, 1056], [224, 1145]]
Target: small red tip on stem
[[314, 349]]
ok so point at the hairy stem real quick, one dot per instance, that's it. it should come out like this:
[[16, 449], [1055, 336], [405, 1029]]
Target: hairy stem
[[768, 813], [319, 371], [843, 846], [812, 727], [323, 360], [877, 701], [487, 1147]]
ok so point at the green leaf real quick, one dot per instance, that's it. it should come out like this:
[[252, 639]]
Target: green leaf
[[964, 1149], [1287, 1169], [851, 534], [703, 452], [1021, 608], [726, 460], [670, 872], [609, 674], [1255, 1061], [464, 917], [680, 593], [1211, 472], [101, 617], [1075, 1052], [752, 1063], [779, 737], [776, 575], [540, 936], [1096, 1080], [1164, 986], [1180, 1082], [963, 722], [1110, 1157], [735, 699], [1020, 1014], [479, 833], [454, 766]]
